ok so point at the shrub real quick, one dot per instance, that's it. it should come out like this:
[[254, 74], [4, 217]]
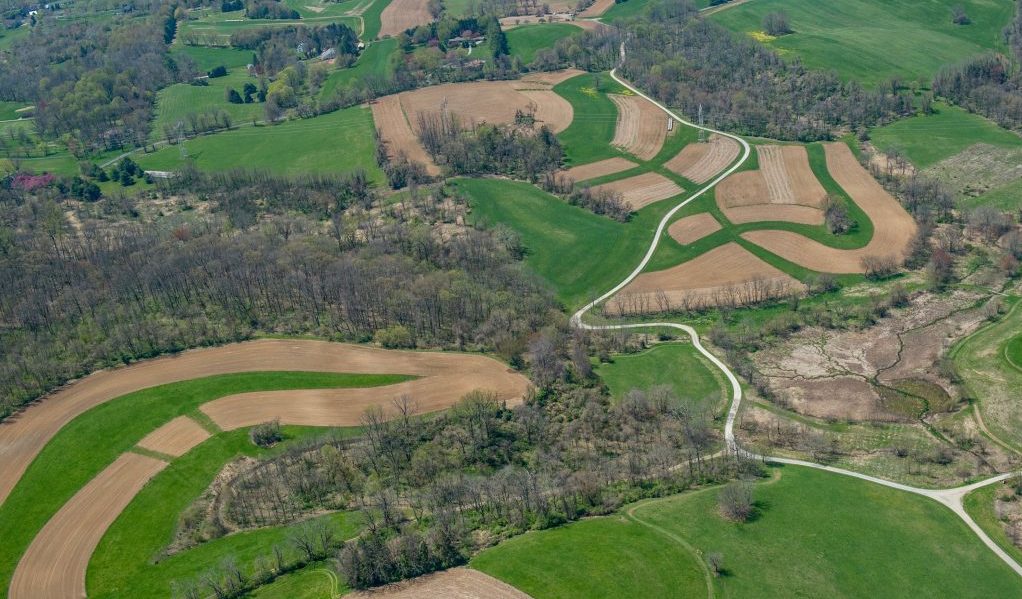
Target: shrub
[[219, 71], [736, 502], [266, 434], [776, 23], [394, 336]]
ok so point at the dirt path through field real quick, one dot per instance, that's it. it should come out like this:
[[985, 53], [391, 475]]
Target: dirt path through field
[[893, 227], [54, 565], [24, 435], [456, 583]]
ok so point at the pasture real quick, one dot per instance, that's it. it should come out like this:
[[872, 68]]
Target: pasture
[[814, 534], [871, 41], [523, 42], [337, 142], [927, 139], [677, 365], [375, 62]]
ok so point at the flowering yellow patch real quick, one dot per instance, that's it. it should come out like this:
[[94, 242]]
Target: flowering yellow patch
[[762, 36]]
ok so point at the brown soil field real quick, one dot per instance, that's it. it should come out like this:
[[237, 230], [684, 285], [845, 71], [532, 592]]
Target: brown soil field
[[176, 437], [345, 407], [700, 162], [456, 583], [727, 274], [643, 190], [599, 169], [693, 228], [24, 435], [479, 101], [893, 227], [400, 15], [641, 127], [490, 101], [784, 188], [596, 9], [396, 132], [54, 564]]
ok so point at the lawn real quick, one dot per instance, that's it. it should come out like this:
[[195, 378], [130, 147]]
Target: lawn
[[624, 10], [526, 40], [596, 558], [206, 57], [125, 562], [338, 142], [375, 61], [580, 254], [674, 364], [9, 110], [815, 534], [588, 137], [175, 102], [98, 436], [874, 40], [927, 139]]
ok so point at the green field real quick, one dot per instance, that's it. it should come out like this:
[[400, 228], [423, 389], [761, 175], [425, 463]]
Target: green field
[[98, 436], [596, 558], [928, 139], [206, 58], [1007, 197], [874, 40], [337, 142], [308, 583], [989, 378], [624, 10], [561, 240], [176, 101], [124, 562], [526, 40], [375, 61], [9, 110], [220, 25], [676, 364], [815, 534], [980, 505], [588, 137]]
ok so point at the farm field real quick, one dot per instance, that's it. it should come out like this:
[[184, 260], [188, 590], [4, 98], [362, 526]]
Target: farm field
[[214, 28], [337, 142], [873, 40], [122, 422], [523, 42], [818, 532], [678, 365], [399, 15], [592, 127], [206, 57]]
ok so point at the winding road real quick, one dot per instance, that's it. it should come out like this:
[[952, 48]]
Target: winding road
[[952, 498]]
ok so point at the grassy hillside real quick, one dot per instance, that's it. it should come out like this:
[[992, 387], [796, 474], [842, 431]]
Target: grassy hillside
[[588, 137], [674, 364], [815, 534], [874, 40], [336, 142], [177, 101], [375, 61], [525, 41], [928, 139]]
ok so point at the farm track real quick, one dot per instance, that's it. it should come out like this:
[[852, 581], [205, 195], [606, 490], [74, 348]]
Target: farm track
[[951, 498]]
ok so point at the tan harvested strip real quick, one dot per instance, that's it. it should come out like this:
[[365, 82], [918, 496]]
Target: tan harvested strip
[[176, 437], [345, 407], [643, 190], [641, 127], [548, 78], [747, 188], [774, 212], [726, 274], [771, 164], [599, 169], [893, 227], [401, 15], [457, 583], [700, 162], [693, 228], [54, 565], [23, 436], [397, 133], [596, 9]]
